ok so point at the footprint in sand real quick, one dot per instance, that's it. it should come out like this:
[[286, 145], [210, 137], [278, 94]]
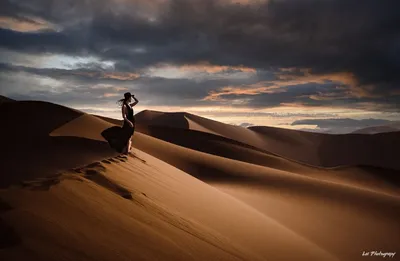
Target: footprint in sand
[[94, 173], [106, 161], [133, 155], [42, 183]]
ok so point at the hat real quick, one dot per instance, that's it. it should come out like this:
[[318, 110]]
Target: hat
[[127, 95]]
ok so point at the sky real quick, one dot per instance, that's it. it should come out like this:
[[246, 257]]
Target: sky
[[320, 65]]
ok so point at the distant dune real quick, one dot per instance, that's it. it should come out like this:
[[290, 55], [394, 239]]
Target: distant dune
[[194, 189], [392, 127], [4, 99], [317, 149]]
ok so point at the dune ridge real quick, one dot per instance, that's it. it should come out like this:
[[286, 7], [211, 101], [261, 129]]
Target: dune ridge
[[315, 149], [194, 189], [4, 99], [86, 188], [28, 149]]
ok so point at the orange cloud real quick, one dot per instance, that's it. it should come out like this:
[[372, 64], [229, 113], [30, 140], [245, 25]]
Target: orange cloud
[[106, 95], [203, 67], [120, 89], [286, 79], [253, 89], [354, 90], [209, 68], [120, 76], [25, 26]]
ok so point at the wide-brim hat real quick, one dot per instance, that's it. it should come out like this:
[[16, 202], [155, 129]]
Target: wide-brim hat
[[127, 95]]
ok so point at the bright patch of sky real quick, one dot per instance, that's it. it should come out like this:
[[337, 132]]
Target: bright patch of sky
[[200, 73], [52, 84], [71, 62]]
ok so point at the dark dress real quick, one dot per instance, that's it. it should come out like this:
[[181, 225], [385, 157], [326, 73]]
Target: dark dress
[[118, 137], [126, 129]]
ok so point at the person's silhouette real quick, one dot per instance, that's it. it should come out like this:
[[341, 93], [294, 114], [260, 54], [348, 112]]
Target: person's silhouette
[[128, 127]]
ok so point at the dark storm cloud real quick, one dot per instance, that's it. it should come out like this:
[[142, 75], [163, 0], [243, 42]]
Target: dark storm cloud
[[314, 95], [157, 90], [55, 11], [325, 35], [80, 83], [82, 75], [288, 94], [84, 86]]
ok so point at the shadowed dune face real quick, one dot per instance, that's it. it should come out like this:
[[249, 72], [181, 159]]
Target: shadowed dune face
[[379, 150], [28, 151], [377, 129], [329, 150], [219, 146], [391, 127], [4, 99], [171, 119], [213, 168], [356, 205], [9, 237], [256, 147], [34, 117]]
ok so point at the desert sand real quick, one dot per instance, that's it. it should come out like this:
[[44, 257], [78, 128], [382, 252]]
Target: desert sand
[[194, 189]]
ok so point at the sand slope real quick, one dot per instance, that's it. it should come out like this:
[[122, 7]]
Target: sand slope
[[29, 151], [4, 99], [196, 190], [316, 149], [146, 211]]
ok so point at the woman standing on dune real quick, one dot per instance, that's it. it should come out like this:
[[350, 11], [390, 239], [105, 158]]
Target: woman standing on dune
[[129, 120]]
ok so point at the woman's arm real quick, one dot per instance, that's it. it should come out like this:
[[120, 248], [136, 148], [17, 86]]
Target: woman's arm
[[136, 101], [124, 116]]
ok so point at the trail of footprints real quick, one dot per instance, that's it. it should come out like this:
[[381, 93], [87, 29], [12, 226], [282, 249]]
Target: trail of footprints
[[94, 172]]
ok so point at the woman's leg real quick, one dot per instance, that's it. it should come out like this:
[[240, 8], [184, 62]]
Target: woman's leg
[[129, 145], [130, 139]]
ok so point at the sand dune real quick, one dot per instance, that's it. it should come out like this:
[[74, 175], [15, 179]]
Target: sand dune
[[336, 150], [199, 162], [394, 126], [27, 149], [4, 99], [317, 149], [356, 170], [194, 189]]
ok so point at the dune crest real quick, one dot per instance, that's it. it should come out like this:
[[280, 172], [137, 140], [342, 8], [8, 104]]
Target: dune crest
[[193, 189], [316, 149]]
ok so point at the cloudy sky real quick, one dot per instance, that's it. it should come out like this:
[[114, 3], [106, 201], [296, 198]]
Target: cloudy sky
[[329, 64]]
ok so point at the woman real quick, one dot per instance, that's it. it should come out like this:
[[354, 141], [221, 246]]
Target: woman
[[129, 120]]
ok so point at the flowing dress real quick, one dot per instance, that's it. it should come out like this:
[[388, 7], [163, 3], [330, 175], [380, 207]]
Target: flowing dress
[[118, 137]]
